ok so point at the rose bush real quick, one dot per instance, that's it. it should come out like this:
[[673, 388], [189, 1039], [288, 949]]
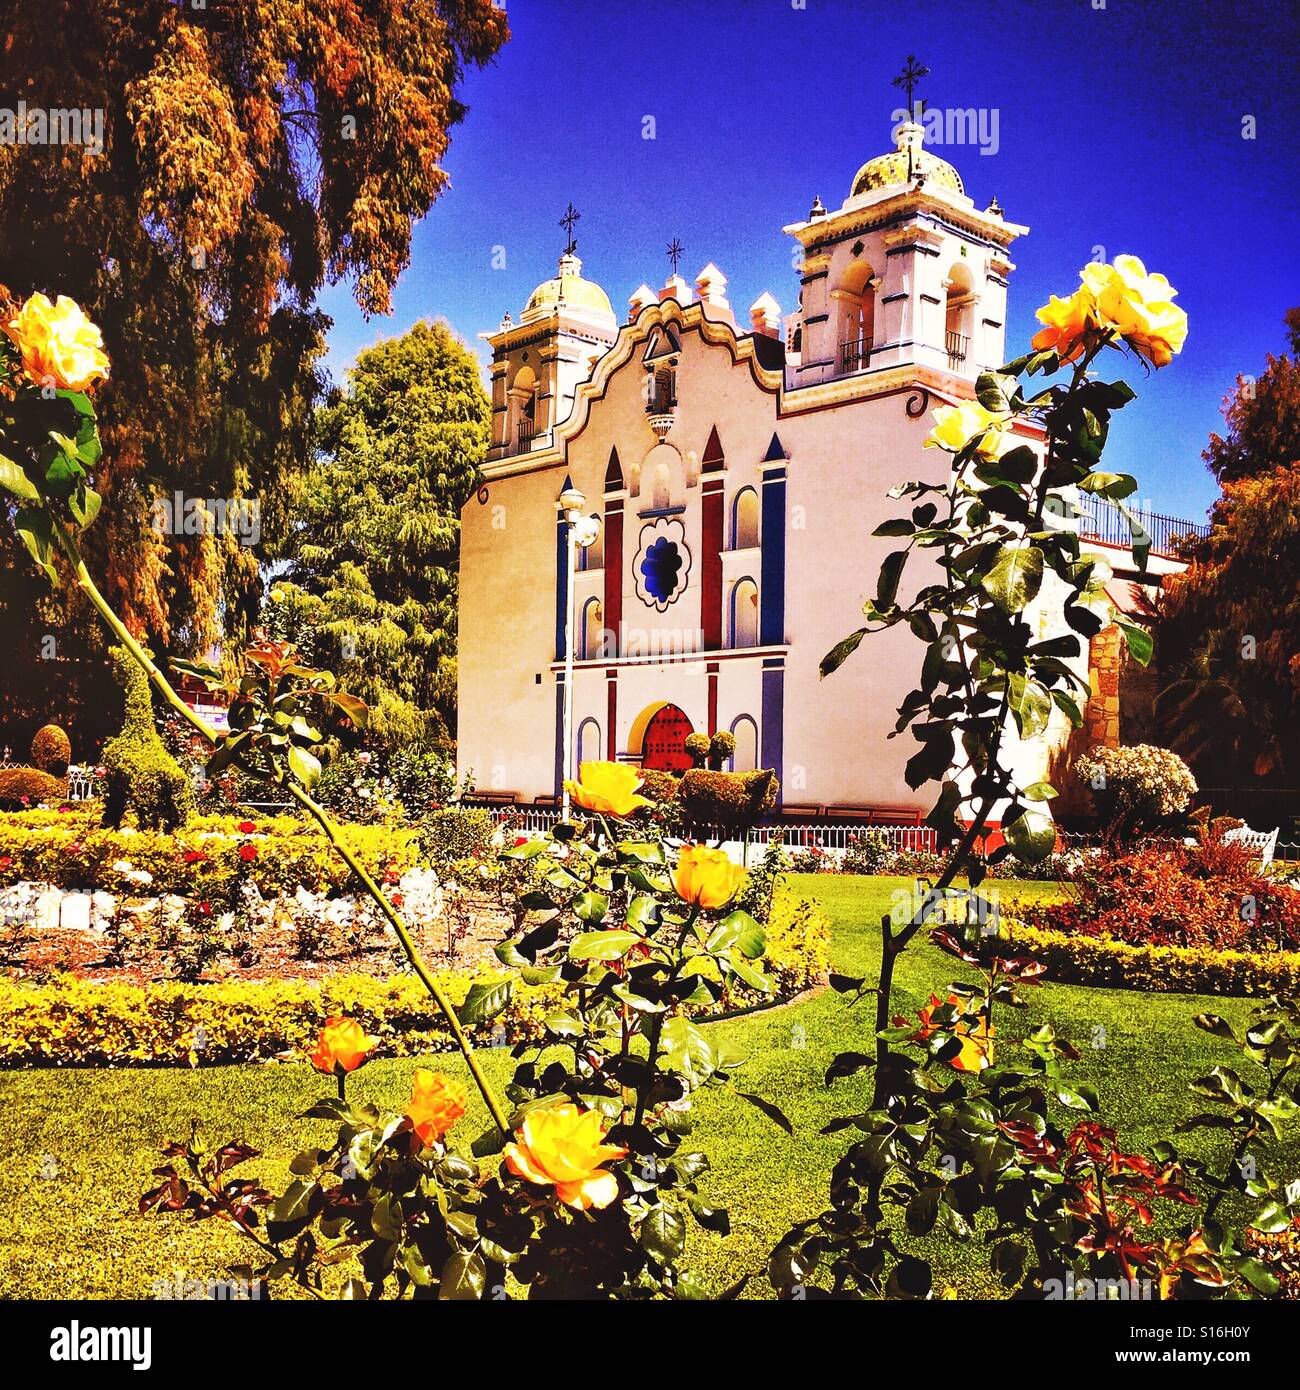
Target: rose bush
[[593, 1193], [955, 1137]]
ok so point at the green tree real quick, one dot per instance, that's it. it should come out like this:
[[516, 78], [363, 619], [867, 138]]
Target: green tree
[[1229, 648], [250, 154], [370, 586]]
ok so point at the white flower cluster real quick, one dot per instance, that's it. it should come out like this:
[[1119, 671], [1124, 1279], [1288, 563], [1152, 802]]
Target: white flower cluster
[[1145, 779]]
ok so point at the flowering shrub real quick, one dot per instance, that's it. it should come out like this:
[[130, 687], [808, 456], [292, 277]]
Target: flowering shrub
[[372, 787], [211, 858], [1137, 787], [1205, 894], [453, 833]]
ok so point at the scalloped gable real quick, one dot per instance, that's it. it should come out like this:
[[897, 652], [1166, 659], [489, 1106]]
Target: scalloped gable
[[682, 320]]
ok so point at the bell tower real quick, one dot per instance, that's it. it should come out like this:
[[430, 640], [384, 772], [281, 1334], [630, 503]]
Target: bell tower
[[539, 362], [906, 273]]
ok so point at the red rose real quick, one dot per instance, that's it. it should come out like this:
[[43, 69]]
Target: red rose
[[195, 856], [247, 852], [246, 827], [6, 862], [101, 772], [520, 840], [396, 900], [65, 810], [75, 847]]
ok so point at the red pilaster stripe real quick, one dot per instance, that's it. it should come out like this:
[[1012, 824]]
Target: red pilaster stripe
[[611, 713], [614, 574], [711, 564], [711, 671]]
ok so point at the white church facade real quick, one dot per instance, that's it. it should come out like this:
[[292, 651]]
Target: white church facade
[[736, 472]]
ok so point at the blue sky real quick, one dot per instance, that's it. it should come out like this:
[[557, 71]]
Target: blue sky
[[1119, 128]]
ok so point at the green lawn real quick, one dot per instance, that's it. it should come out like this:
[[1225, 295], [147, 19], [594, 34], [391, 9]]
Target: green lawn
[[76, 1233]]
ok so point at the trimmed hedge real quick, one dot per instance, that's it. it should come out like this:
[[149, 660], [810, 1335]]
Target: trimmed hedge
[[29, 782], [71, 1022], [74, 1022], [1099, 960]]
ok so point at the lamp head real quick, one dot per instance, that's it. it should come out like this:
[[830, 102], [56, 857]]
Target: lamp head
[[572, 500]]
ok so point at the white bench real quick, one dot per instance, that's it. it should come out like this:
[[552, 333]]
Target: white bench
[[1262, 841]]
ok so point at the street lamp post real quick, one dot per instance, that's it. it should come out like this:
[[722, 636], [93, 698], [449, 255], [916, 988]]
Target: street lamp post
[[581, 531]]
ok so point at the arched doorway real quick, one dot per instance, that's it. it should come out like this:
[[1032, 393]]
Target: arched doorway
[[663, 745]]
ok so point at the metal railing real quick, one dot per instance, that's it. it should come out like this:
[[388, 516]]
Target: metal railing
[[1101, 520], [526, 432], [81, 783], [957, 344], [855, 355]]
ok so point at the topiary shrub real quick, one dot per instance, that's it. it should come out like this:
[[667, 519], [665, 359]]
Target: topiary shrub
[[142, 776], [21, 787], [51, 750], [721, 746], [658, 786], [728, 799], [697, 746]]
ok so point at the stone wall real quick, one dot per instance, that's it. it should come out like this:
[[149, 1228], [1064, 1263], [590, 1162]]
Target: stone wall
[[1105, 666]]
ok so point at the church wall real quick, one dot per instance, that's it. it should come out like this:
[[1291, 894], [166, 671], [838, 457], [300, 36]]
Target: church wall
[[507, 634], [843, 462]]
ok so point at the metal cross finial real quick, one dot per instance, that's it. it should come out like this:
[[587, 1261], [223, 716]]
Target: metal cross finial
[[909, 78], [675, 250], [571, 215]]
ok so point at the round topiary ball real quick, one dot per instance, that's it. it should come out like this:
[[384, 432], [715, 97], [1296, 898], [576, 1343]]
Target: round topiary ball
[[51, 750], [697, 743]]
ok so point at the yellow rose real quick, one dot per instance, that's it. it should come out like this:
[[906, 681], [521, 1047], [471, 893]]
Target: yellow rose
[[561, 1146], [608, 789], [1069, 324], [956, 425], [59, 344], [706, 877], [342, 1046], [437, 1102], [1138, 306], [975, 1034]]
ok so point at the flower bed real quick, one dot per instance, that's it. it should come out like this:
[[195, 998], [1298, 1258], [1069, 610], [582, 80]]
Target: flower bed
[[75, 1022], [1210, 894]]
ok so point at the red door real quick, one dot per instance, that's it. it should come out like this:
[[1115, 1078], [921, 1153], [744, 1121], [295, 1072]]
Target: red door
[[664, 746]]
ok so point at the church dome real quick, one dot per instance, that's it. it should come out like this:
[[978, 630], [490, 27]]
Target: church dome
[[892, 169], [570, 286]]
